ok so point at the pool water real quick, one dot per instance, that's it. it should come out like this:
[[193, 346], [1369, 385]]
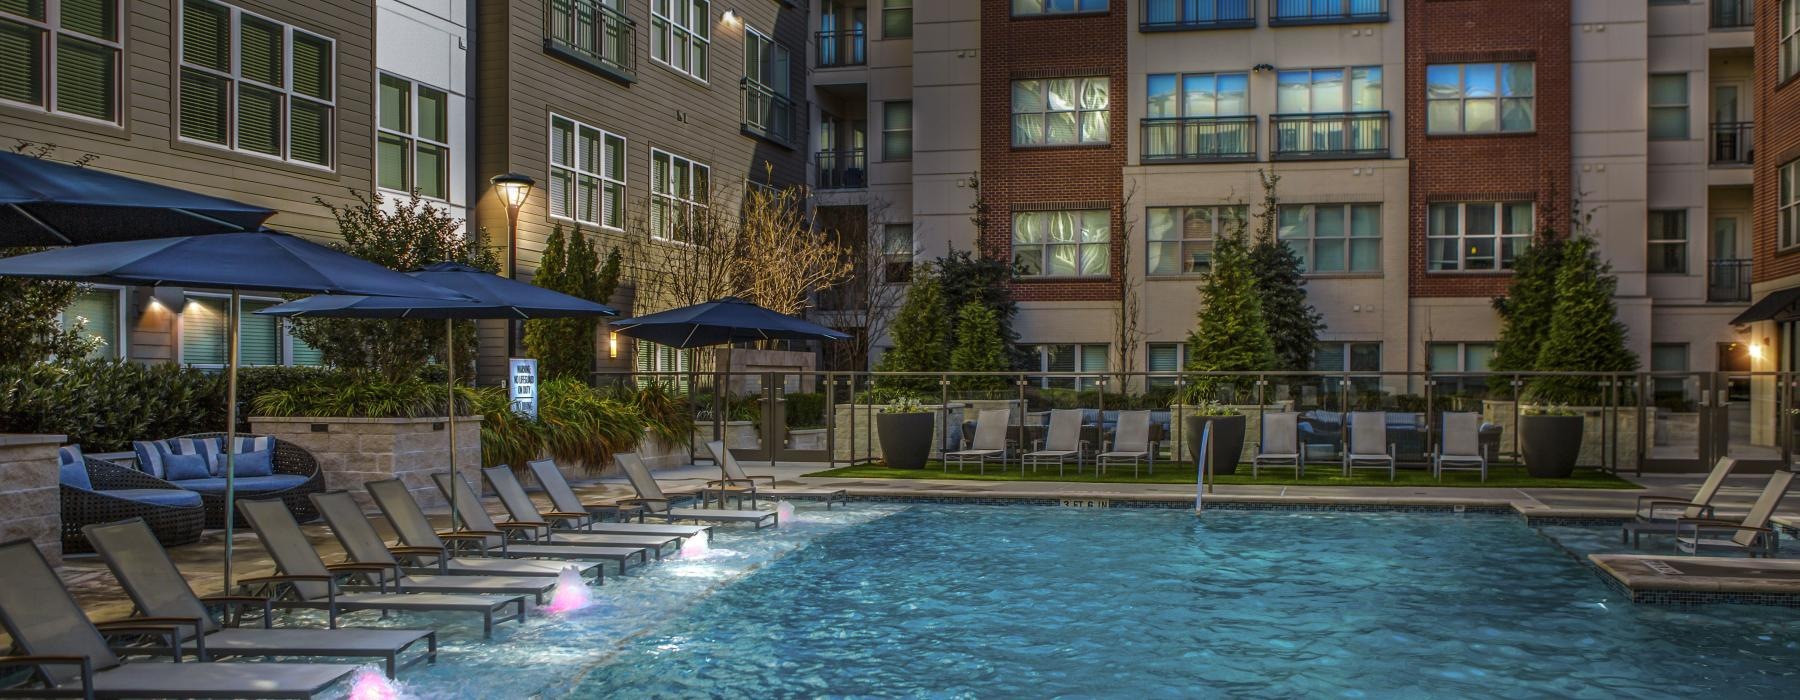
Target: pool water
[[992, 601]]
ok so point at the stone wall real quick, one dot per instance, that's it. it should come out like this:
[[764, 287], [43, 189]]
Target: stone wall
[[352, 451], [1597, 436], [856, 437], [30, 499]]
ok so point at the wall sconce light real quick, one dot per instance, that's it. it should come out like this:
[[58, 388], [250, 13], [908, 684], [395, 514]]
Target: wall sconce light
[[730, 16], [612, 345], [1756, 350], [1263, 68]]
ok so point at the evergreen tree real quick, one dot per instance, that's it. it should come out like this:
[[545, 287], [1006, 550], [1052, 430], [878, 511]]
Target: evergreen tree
[[564, 347], [1293, 324], [1526, 309], [965, 278], [1230, 333], [1585, 334], [921, 333], [978, 348]]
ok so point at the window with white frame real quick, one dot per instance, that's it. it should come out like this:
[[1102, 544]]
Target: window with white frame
[[1070, 358], [1039, 8], [896, 252], [1179, 240], [1669, 106], [1339, 356], [1459, 357], [681, 34], [1668, 241], [1173, 98], [1063, 243], [587, 173], [412, 142], [896, 19], [262, 340], [1475, 98], [897, 130], [1164, 358], [1477, 236], [1328, 90], [679, 189], [661, 364], [1788, 204], [1060, 111], [61, 56], [99, 313], [255, 85], [1333, 238], [1790, 38]]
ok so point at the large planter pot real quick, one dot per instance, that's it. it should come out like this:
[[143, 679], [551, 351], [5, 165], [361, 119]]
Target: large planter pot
[[1551, 444], [905, 438], [1227, 441]]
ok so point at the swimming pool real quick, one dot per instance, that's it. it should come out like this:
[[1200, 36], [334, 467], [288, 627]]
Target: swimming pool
[[986, 601]]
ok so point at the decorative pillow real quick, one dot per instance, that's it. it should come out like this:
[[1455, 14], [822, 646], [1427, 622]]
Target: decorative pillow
[[215, 452], [71, 468], [185, 466], [247, 464], [149, 457]]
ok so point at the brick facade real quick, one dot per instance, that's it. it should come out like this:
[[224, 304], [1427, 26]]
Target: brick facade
[[1533, 165], [1033, 178], [1777, 143]]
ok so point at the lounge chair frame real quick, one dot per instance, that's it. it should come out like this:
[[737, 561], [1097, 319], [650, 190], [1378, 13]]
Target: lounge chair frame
[[989, 442], [1364, 427], [1062, 440], [736, 482], [1131, 444], [1656, 515], [1459, 446], [1278, 446]]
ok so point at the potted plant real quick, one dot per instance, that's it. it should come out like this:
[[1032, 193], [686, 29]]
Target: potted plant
[[904, 427], [1550, 439], [1227, 435]]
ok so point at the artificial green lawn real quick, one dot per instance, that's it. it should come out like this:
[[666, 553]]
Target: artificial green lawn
[[1319, 475]]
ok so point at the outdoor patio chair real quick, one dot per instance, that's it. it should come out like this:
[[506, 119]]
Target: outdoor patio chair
[[306, 581], [1062, 441], [97, 491], [1657, 514], [1368, 446], [564, 499], [512, 539], [1460, 446], [158, 590], [1131, 444], [989, 442], [363, 545], [659, 505], [736, 481], [69, 656], [416, 533], [523, 510], [294, 475], [1279, 445], [1752, 536]]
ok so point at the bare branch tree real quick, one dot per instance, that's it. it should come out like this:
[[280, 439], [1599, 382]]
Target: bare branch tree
[[681, 255], [781, 257], [1126, 315]]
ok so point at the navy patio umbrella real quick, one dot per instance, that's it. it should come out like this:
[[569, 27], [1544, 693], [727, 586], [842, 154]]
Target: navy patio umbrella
[[257, 261], [489, 296], [46, 203]]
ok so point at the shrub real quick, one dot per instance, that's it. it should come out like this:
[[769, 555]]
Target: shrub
[[564, 347], [921, 333], [1293, 324], [805, 410], [579, 424], [979, 348], [506, 437], [29, 328], [1585, 334], [665, 413], [103, 405], [1230, 333], [357, 395]]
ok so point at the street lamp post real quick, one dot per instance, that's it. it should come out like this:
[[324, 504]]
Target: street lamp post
[[512, 188]]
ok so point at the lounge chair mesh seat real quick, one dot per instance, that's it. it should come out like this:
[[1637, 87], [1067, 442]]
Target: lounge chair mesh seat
[[566, 500], [70, 655], [289, 461], [1369, 447], [416, 534], [363, 545], [1279, 445], [1649, 508], [504, 536], [1131, 444], [176, 515], [559, 528], [1062, 442], [737, 481], [989, 441], [659, 505], [1460, 447], [1751, 536]]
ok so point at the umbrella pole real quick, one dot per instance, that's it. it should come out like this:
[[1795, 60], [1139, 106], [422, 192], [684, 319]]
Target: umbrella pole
[[450, 410], [231, 372]]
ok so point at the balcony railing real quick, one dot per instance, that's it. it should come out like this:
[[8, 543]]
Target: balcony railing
[[1733, 143], [1733, 14], [1728, 279], [1297, 12], [1341, 135], [1189, 15], [766, 114], [1199, 139], [842, 48], [842, 170], [593, 35]]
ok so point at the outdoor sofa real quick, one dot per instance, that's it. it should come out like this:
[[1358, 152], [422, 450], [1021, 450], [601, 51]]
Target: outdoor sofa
[[290, 473], [97, 491]]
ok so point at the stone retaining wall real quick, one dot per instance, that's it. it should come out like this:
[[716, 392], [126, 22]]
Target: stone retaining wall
[[352, 451], [30, 499]]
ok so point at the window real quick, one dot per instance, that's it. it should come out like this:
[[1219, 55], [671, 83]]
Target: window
[[1460, 357], [1334, 356], [1327, 91], [262, 340], [1334, 237], [1477, 235], [587, 173], [670, 365], [98, 313], [1173, 98], [1475, 98], [1790, 38], [1669, 107], [594, 33], [61, 56], [1180, 239], [1788, 204], [1070, 358], [1060, 111], [1037, 8], [679, 189], [1197, 13], [896, 253], [1668, 241], [1063, 243], [768, 74], [255, 85], [412, 149], [896, 131], [896, 19], [1164, 358], [1669, 357], [681, 34]]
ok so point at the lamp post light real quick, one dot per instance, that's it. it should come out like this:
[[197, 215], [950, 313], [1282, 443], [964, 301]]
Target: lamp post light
[[512, 188]]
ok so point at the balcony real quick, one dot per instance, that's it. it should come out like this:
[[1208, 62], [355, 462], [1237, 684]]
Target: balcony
[[592, 35], [1199, 139], [1733, 143], [767, 115], [1194, 15], [1335, 136], [842, 48], [1728, 280], [842, 170], [1290, 13], [1733, 14]]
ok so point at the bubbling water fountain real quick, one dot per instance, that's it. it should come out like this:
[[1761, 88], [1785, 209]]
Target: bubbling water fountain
[[370, 684], [571, 592], [696, 547], [784, 513]]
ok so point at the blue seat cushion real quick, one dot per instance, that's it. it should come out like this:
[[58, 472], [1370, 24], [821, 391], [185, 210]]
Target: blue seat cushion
[[162, 497], [179, 467], [71, 468], [250, 484]]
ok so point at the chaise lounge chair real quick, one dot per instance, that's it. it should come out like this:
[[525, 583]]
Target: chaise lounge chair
[[1460, 446], [363, 545], [989, 442], [1131, 443], [741, 484], [1062, 442], [69, 655], [1368, 448], [565, 500], [519, 505], [659, 505], [418, 536], [507, 536], [98, 491], [305, 581], [157, 589], [1658, 514], [1279, 445], [1752, 536]]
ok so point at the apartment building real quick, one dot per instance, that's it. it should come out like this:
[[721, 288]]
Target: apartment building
[[1775, 210], [1419, 144]]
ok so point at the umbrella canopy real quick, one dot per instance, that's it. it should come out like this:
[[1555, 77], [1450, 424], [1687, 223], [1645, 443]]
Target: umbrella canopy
[[727, 320], [489, 296], [46, 203]]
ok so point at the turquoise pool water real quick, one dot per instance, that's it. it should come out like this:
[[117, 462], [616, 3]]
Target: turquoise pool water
[[1019, 601]]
